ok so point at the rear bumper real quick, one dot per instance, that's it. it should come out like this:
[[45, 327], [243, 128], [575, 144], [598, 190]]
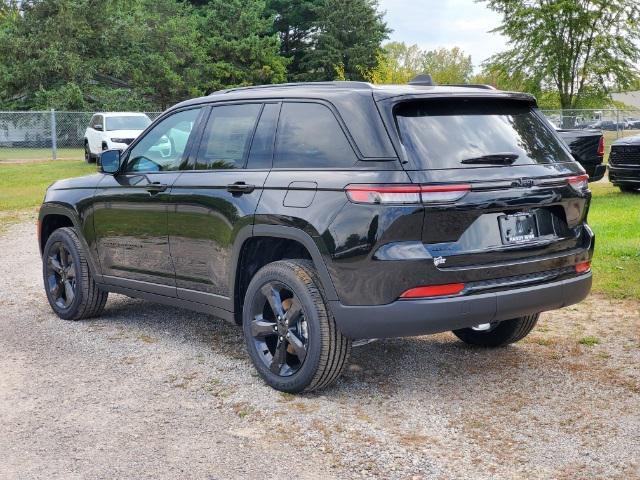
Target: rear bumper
[[425, 316], [627, 174], [595, 172]]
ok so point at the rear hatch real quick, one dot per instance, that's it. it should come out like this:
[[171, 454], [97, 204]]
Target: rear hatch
[[514, 201]]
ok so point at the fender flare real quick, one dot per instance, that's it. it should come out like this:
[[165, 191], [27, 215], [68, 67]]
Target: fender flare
[[291, 233], [66, 211]]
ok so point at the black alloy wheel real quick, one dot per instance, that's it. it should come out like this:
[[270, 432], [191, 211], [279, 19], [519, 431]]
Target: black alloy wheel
[[279, 329], [290, 333], [69, 285], [61, 275]]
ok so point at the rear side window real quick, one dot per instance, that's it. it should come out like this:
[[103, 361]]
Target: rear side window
[[227, 136], [309, 136], [261, 154], [458, 133]]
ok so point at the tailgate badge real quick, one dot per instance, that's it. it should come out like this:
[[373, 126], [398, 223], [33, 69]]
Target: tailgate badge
[[523, 182], [439, 261]]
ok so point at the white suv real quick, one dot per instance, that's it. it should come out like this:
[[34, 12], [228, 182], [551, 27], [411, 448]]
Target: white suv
[[114, 130]]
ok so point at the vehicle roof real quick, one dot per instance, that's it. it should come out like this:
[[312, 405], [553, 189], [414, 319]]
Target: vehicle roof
[[121, 114], [355, 103], [329, 90]]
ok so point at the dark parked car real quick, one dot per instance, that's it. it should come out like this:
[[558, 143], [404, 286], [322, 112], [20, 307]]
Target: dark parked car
[[624, 164], [314, 215], [587, 148]]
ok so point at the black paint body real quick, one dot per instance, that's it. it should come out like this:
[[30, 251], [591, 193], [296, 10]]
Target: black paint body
[[584, 145], [193, 243], [624, 162]]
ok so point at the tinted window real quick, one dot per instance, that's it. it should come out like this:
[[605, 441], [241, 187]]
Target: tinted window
[[162, 148], [97, 121], [129, 122], [449, 133], [309, 136], [261, 154], [227, 136]]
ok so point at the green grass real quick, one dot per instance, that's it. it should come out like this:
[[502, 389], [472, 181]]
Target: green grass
[[614, 216], [615, 219], [22, 185], [38, 154], [589, 341]]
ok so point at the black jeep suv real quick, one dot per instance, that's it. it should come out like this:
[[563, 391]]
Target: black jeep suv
[[315, 215]]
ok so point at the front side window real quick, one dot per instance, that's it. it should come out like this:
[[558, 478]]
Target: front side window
[[128, 122], [97, 122], [309, 136], [462, 133], [162, 148], [227, 136]]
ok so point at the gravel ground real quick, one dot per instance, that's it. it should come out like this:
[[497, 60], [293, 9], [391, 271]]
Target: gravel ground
[[148, 391]]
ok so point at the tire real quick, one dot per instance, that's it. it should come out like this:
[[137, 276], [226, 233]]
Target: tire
[[88, 157], [86, 300], [499, 334], [293, 288], [628, 189]]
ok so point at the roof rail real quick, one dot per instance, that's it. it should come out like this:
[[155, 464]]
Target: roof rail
[[471, 85], [335, 84]]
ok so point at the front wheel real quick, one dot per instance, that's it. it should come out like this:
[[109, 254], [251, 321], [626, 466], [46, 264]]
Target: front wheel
[[88, 157], [628, 189], [498, 334], [71, 291], [291, 336]]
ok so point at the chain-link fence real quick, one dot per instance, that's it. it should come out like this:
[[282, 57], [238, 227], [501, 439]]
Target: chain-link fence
[[44, 135], [621, 122], [53, 134]]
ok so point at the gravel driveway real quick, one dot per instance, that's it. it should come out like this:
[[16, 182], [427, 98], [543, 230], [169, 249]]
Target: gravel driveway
[[149, 391]]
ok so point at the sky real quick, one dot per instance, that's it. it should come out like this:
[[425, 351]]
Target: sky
[[445, 23]]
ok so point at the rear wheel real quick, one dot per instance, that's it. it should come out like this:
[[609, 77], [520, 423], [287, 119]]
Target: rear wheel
[[628, 189], [71, 291], [498, 334], [291, 336]]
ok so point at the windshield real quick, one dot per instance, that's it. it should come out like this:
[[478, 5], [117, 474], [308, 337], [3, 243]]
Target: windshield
[[128, 122], [462, 133]]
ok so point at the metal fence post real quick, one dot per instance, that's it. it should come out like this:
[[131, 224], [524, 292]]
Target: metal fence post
[[54, 136]]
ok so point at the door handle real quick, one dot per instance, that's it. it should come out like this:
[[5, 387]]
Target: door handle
[[156, 187], [239, 188]]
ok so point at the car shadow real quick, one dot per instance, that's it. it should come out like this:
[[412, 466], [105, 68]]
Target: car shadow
[[389, 365]]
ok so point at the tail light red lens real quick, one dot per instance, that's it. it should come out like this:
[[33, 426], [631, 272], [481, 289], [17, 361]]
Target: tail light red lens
[[583, 267], [601, 146], [434, 291], [405, 194], [579, 182], [383, 193]]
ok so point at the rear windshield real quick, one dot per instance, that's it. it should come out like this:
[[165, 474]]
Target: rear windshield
[[462, 133], [129, 122]]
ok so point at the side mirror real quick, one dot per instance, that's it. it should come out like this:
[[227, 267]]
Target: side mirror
[[97, 127], [110, 161]]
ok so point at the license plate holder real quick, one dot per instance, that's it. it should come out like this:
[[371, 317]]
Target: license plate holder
[[518, 228]]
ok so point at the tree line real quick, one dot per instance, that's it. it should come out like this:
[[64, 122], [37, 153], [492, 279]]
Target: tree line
[[149, 54]]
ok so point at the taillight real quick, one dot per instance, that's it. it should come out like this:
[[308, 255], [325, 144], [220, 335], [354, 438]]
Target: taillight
[[382, 194], [583, 267], [601, 147], [434, 291], [579, 182], [443, 193]]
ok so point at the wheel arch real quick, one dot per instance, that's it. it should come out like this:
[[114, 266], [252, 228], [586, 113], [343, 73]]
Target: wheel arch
[[250, 254], [55, 216]]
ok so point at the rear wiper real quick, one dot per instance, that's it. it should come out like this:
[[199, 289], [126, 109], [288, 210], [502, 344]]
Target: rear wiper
[[493, 159]]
